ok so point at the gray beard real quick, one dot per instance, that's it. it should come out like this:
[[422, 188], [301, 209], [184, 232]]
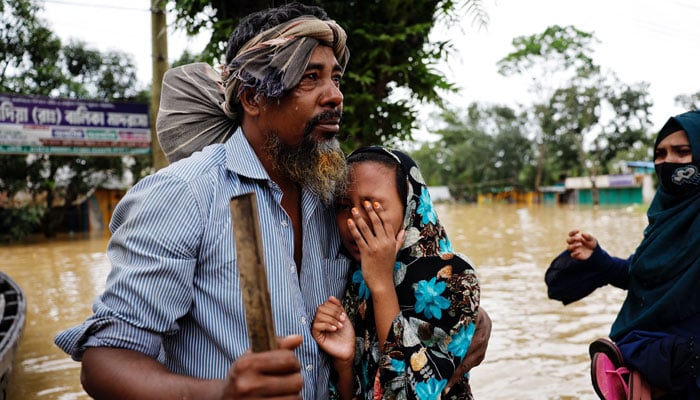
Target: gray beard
[[317, 166]]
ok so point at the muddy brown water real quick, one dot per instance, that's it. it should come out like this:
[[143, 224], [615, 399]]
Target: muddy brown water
[[538, 348]]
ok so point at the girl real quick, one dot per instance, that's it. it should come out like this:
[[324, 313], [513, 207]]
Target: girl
[[408, 314]]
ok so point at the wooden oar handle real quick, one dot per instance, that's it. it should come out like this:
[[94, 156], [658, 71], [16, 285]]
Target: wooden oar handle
[[251, 268]]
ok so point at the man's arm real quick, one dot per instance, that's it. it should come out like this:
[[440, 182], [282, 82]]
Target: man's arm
[[477, 349], [110, 373]]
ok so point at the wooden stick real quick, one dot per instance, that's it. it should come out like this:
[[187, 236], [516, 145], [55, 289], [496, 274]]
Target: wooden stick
[[251, 268]]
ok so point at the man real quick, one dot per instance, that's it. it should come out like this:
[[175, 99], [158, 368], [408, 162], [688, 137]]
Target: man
[[171, 323]]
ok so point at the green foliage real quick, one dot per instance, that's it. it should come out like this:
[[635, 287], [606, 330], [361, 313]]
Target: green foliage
[[16, 223], [563, 48], [33, 61], [479, 150], [575, 101], [690, 102], [391, 55]]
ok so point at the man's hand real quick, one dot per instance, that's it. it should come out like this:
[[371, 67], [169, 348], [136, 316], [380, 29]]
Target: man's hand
[[477, 349], [275, 373]]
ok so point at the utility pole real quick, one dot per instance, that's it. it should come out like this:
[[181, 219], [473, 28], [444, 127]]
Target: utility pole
[[159, 45]]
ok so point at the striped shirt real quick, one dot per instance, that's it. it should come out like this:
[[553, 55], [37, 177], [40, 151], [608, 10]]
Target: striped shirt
[[174, 292]]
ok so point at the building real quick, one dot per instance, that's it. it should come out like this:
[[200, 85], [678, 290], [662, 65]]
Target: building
[[635, 186]]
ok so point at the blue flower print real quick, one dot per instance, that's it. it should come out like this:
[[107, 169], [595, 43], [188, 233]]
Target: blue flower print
[[425, 207], [398, 366], [445, 245], [431, 389], [461, 340], [357, 278], [429, 300]]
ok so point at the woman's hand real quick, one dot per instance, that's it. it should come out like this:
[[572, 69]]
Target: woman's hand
[[581, 244]]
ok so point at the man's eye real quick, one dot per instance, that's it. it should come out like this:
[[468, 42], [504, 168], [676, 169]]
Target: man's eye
[[311, 76]]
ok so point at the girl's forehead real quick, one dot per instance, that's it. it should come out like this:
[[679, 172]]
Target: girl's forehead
[[367, 166], [371, 173]]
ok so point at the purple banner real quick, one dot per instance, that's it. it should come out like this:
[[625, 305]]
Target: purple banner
[[32, 124]]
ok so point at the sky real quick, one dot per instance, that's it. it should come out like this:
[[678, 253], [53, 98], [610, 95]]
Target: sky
[[639, 40]]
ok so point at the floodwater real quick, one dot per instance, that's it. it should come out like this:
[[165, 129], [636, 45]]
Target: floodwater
[[538, 347]]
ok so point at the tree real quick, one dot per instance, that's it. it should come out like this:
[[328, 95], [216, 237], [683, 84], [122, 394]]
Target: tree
[[391, 64], [33, 61], [576, 100], [690, 102], [480, 150]]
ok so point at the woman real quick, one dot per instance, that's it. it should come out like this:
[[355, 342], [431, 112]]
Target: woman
[[413, 312], [655, 329]]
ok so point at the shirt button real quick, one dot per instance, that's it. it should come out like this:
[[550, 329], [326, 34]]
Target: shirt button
[[284, 223], [309, 368], [303, 320]]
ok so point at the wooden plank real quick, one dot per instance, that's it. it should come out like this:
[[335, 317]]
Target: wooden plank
[[251, 268]]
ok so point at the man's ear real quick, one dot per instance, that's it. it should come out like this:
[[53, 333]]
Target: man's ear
[[249, 102]]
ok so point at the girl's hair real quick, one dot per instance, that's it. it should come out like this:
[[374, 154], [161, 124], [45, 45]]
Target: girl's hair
[[387, 160]]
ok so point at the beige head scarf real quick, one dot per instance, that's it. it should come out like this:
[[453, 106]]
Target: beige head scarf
[[198, 106]]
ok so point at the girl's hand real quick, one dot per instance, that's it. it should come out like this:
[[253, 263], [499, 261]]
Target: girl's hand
[[378, 245], [333, 331]]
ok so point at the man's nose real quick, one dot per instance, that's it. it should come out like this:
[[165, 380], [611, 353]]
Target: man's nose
[[332, 95]]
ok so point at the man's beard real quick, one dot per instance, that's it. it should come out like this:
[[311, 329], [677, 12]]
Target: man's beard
[[316, 165]]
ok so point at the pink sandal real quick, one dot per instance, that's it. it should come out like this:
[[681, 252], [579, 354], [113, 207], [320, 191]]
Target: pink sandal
[[609, 380]]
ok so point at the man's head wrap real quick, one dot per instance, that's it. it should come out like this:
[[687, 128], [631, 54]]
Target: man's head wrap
[[199, 108]]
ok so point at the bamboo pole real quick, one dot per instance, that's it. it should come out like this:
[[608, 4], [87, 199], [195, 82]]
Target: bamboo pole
[[251, 268]]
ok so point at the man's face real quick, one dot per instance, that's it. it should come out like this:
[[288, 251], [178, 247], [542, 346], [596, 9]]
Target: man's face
[[314, 107], [302, 128]]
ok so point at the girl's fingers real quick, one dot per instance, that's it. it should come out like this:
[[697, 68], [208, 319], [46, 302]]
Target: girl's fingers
[[372, 210], [355, 233], [334, 300], [332, 309], [324, 327], [360, 225]]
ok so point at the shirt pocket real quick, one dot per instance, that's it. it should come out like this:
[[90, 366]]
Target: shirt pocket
[[336, 274]]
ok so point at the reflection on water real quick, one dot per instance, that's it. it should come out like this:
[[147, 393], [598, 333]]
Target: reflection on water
[[538, 348], [60, 278]]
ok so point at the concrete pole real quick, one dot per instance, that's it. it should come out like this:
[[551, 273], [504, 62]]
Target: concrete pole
[[159, 44]]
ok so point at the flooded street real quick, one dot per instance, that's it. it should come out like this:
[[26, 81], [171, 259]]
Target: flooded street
[[538, 348]]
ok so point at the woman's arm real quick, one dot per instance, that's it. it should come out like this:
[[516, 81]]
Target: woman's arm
[[569, 279]]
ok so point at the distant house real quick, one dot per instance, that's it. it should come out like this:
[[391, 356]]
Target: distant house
[[635, 186], [439, 193]]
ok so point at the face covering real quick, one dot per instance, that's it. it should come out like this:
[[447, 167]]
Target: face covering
[[678, 178]]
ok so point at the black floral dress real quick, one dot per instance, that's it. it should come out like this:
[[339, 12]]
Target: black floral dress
[[438, 294]]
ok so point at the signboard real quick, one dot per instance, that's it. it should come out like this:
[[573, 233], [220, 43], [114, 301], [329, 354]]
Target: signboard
[[32, 124]]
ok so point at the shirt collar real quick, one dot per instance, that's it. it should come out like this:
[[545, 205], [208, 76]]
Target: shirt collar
[[241, 159]]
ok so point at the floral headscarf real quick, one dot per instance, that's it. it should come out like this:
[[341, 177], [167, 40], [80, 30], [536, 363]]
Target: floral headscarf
[[438, 294]]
